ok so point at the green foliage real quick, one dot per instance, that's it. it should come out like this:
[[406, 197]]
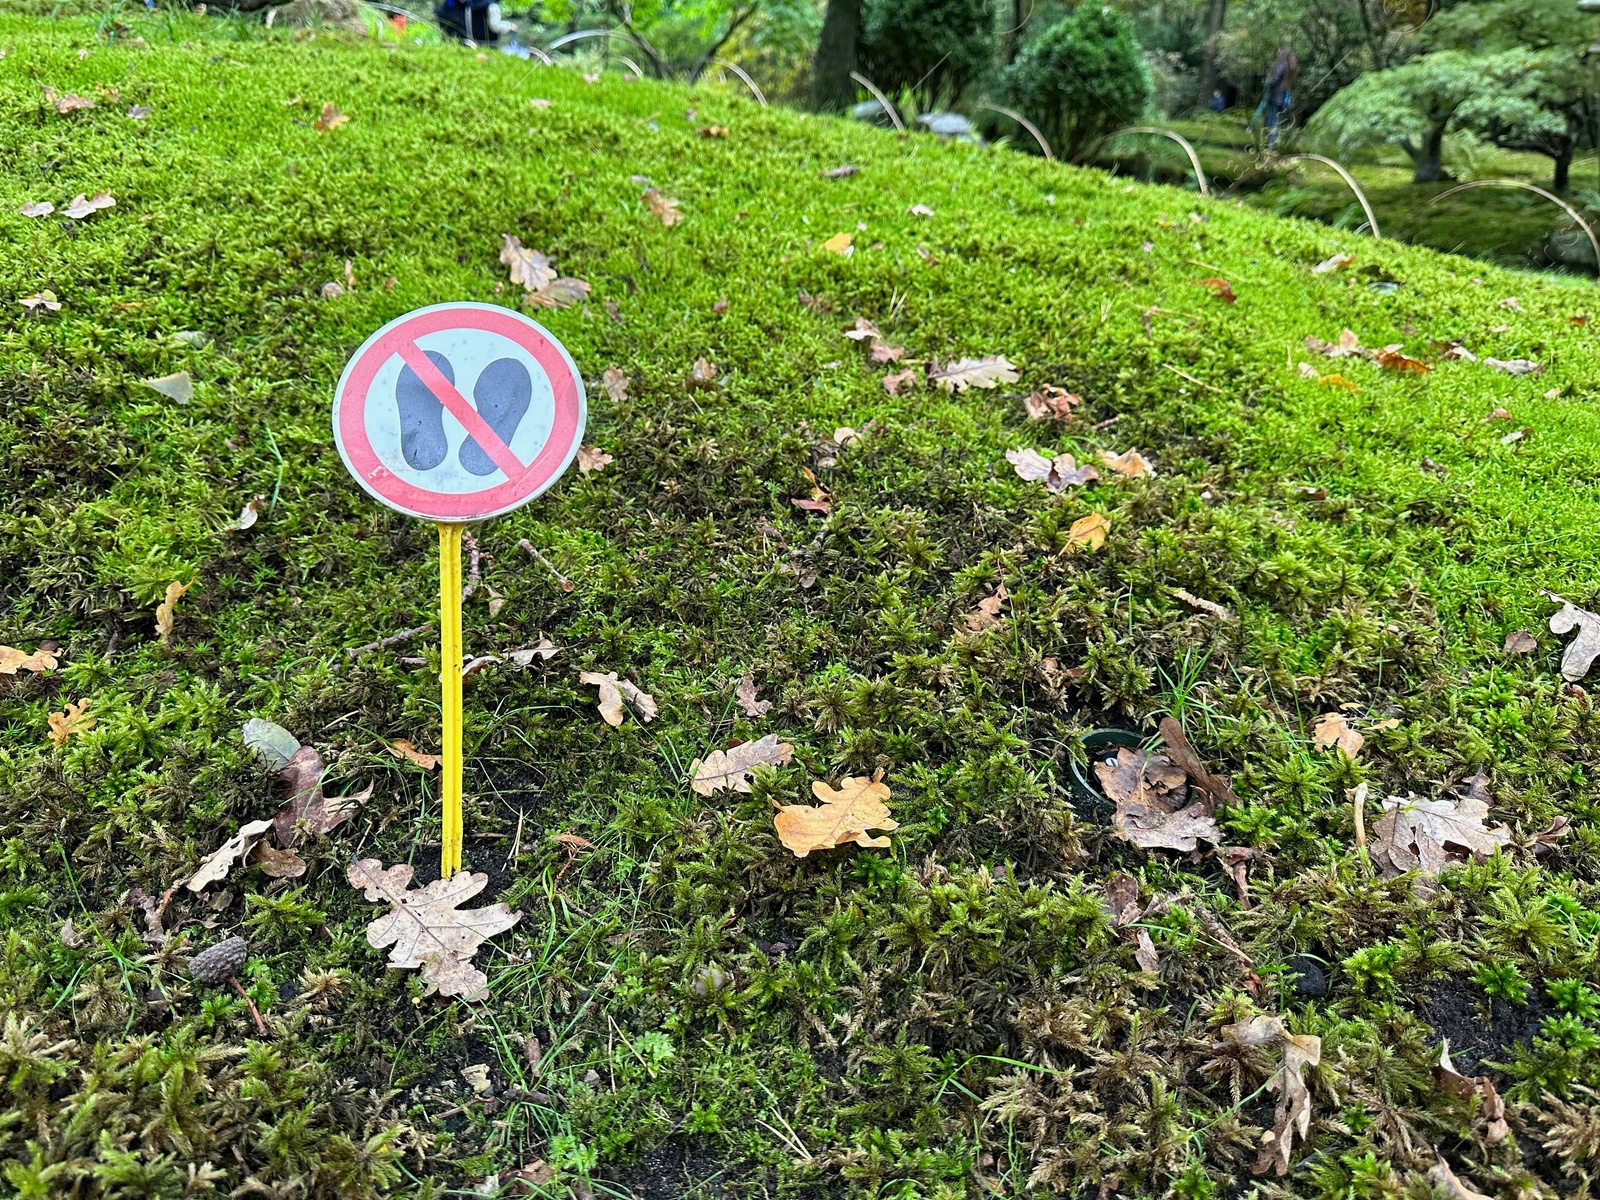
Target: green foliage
[[1082, 78], [934, 49], [1503, 980]]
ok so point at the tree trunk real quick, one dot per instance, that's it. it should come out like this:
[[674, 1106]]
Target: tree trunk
[[1208, 62], [1563, 169], [831, 86], [1428, 159], [1008, 47]]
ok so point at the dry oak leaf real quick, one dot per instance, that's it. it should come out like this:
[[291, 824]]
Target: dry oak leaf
[[278, 864], [164, 610], [1130, 463], [402, 748], [529, 268], [1581, 651], [1294, 1097], [731, 768], [68, 103], [848, 812], [882, 352], [563, 293], [840, 243], [1219, 611], [1520, 641], [1514, 366], [1451, 1081], [987, 612], [545, 650], [1347, 345], [74, 720], [1446, 1180], [1149, 791], [1051, 403], [1333, 730], [1220, 288], [37, 208], [841, 172], [1088, 533], [45, 300], [1428, 835], [82, 206], [1183, 754], [615, 383], [329, 119], [745, 695], [1333, 264], [592, 458], [987, 372], [427, 928], [1122, 898], [901, 380], [703, 372], [1391, 359], [215, 867], [862, 330], [13, 660], [1057, 474], [664, 207], [612, 693], [179, 387], [309, 810]]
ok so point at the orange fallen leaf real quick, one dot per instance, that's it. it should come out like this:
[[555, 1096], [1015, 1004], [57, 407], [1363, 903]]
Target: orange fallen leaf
[[840, 243], [662, 206], [1130, 463], [1088, 533], [1220, 288], [401, 748], [165, 613], [13, 660], [848, 812], [900, 381], [331, 118], [1338, 381], [64, 724], [1391, 359], [1332, 730]]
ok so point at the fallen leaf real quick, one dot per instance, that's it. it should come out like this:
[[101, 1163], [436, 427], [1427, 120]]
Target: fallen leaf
[[1338, 381], [82, 207], [615, 383], [41, 300], [1520, 641], [270, 742], [278, 864], [1455, 350], [731, 768], [329, 119], [845, 436], [664, 207], [1516, 435], [920, 210], [332, 290], [720, 307], [1391, 359], [987, 372], [592, 458], [848, 812], [703, 372], [472, 666], [70, 937], [1149, 791], [1220, 288], [164, 610], [249, 514], [538, 102], [1130, 463], [1088, 533], [1205, 606], [563, 293], [987, 612], [1051, 403], [745, 695], [1581, 651], [901, 380], [591, 76], [1347, 345], [1057, 474], [839, 243], [862, 330], [612, 693], [1443, 1178], [1428, 835], [1183, 754], [1293, 1113], [215, 867], [529, 268], [1514, 366], [401, 748], [1307, 371], [139, 112], [545, 650], [1451, 1081], [37, 208], [1335, 263], [1332, 730], [309, 810], [1510, 302], [841, 172], [1122, 898], [74, 720], [177, 387], [68, 102], [1137, 777], [427, 928], [13, 660], [713, 131]]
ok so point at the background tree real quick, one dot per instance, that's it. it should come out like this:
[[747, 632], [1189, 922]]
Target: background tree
[[831, 85], [1082, 78], [1411, 106], [931, 48]]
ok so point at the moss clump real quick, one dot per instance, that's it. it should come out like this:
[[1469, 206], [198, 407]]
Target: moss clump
[[688, 1002]]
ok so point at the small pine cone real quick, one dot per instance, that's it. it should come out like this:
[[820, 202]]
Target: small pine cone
[[220, 963]]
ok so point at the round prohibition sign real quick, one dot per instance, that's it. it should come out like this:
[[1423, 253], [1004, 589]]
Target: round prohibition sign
[[459, 412]]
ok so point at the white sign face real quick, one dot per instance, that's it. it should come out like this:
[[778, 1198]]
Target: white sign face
[[458, 412]]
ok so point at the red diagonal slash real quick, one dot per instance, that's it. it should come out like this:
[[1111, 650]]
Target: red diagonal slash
[[433, 379]]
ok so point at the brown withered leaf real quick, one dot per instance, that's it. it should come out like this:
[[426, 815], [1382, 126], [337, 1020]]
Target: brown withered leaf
[[731, 768], [165, 610], [1391, 359], [563, 293], [1451, 1081], [529, 268], [1057, 474], [1333, 264], [1220, 288], [1581, 651], [703, 372], [1428, 835], [1183, 754], [74, 720], [1051, 403], [1446, 1181], [1122, 898], [1293, 1115], [664, 207], [402, 748], [987, 372], [1514, 366], [987, 612], [900, 381], [1520, 641], [614, 691], [86, 206], [1219, 611], [841, 172], [1088, 533], [1347, 345], [1130, 463], [309, 810], [428, 928], [1149, 791], [615, 382], [68, 102], [215, 867], [545, 650], [882, 352], [329, 119], [745, 695], [847, 814], [13, 660], [279, 864], [1332, 730], [862, 330], [713, 131], [592, 458]]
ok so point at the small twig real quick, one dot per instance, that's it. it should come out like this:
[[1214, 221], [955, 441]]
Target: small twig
[[405, 635], [1108, 422], [474, 577], [261, 1026], [566, 584], [1193, 380]]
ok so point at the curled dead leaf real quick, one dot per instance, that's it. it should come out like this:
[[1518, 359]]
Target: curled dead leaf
[[1580, 653], [1051, 403], [1057, 474], [731, 768], [165, 610], [745, 696], [1088, 533], [1206, 606], [1332, 730], [987, 612], [1130, 463], [215, 867], [615, 383], [1220, 288], [402, 748], [74, 720], [664, 207], [613, 691], [329, 119]]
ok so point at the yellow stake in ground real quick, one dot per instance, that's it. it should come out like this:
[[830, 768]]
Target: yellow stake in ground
[[450, 694]]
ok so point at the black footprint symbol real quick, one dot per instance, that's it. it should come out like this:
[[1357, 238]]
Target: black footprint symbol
[[502, 393], [422, 439]]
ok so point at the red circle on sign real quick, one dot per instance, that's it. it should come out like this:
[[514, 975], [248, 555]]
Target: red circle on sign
[[523, 481]]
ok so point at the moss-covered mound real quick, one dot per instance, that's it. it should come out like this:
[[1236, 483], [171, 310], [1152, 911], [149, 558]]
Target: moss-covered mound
[[686, 1007]]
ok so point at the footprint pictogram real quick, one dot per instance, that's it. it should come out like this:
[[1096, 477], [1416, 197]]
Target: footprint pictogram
[[422, 439], [502, 395]]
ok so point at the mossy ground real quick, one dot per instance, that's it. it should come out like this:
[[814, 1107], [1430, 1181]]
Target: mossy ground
[[952, 1017]]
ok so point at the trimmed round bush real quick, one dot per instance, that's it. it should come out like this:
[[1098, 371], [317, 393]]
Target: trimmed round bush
[[1082, 78]]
